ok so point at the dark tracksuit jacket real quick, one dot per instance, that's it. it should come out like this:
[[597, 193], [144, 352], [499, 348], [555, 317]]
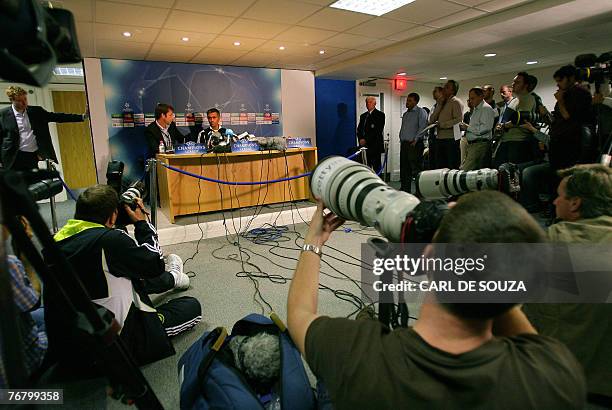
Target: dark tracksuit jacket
[[112, 266]]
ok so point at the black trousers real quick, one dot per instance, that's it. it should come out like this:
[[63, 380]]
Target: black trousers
[[411, 159], [447, 153], [177, 315], [374, 159], [25, 161]]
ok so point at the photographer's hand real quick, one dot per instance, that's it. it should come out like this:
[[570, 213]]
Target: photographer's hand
[[137, 214], [322, 226]]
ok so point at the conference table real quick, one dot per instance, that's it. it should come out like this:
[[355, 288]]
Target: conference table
[[182, 194]]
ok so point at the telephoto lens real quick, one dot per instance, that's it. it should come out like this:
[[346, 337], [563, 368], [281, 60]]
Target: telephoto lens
[[353, 192], [445, 183]]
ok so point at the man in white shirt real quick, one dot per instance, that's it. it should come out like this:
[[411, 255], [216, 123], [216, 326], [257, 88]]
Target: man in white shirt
[[24, 131], [478, 131]]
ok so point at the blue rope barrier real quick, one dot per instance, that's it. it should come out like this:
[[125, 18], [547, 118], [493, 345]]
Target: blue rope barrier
[[272, 181], [67, 189]]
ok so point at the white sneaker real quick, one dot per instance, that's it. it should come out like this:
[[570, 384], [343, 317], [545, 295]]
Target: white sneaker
[[175, 267]]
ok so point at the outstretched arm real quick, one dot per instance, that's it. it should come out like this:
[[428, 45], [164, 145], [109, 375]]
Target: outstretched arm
[[303, 293]]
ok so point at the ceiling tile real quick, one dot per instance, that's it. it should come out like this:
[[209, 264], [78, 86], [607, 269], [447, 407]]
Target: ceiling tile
[[167, 36], [169, 52], [227, 43], [255, 29], [319, 2], [496, 5], [456, 18], [305, 35], [329, 52], [256, 59], [411, 33], [334, 19], [375, 45], [345, 40], [217, 56], [201, 23], [469, 3], [232, 8], [115, 32], [127, 14], [280, 11], [380, 27], [422, 11], [272, 47], [164, 4], [81, 9], [121, 49], [86, 39]]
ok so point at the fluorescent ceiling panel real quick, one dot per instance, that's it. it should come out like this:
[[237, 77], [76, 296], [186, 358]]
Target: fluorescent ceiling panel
[[375, 8]]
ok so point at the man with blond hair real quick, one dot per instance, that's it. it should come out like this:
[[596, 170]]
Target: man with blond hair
[[24, 131]]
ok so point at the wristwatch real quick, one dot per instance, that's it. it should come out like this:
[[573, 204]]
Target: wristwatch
[[312, 248]]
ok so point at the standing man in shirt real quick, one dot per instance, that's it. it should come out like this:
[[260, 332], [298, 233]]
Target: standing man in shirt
[[163, 129], [24, 131], [411, 142], [370, 133], [448, 112], [478, 131]]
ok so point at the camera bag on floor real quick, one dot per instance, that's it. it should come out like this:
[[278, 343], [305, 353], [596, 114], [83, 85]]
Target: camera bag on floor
[[209, 378]]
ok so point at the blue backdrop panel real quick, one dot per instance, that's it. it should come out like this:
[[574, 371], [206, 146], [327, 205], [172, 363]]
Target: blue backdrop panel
[[335, 107], [249, 100]]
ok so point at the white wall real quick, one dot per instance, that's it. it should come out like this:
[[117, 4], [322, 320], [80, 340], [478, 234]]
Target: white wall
[[297, 98], [298, 104]]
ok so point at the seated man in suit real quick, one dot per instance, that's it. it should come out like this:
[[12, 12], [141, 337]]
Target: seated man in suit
[[24, 131], [215, 135], [163, 130]]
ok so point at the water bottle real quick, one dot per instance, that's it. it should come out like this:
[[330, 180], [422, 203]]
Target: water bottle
[[162, 147]]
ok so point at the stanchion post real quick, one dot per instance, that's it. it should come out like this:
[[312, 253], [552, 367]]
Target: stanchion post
[[386, 177], [152, 170], [55, 228]]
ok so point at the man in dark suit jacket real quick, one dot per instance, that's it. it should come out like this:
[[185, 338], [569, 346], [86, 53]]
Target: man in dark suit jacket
[[163, 130], [24, 131], [370, 133]]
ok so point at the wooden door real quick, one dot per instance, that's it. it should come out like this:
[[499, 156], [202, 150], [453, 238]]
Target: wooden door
[[76, 147]]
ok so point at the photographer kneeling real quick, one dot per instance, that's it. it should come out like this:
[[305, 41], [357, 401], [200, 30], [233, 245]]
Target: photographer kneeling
[[119, 273], [456, 355]]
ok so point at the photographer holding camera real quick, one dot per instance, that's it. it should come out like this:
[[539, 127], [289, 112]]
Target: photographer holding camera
[[456, 355], [118, 272]]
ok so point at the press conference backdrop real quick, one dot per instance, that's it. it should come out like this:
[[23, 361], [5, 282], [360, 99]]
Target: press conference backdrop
[[249, 99]]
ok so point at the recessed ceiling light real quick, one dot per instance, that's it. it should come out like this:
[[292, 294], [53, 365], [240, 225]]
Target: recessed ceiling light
[[490, 55], [374, 8], [281, 48], [127, 34], [443, 78], [531, 62], [401, 73], [236, 43], [185, 38], [321, 51]]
